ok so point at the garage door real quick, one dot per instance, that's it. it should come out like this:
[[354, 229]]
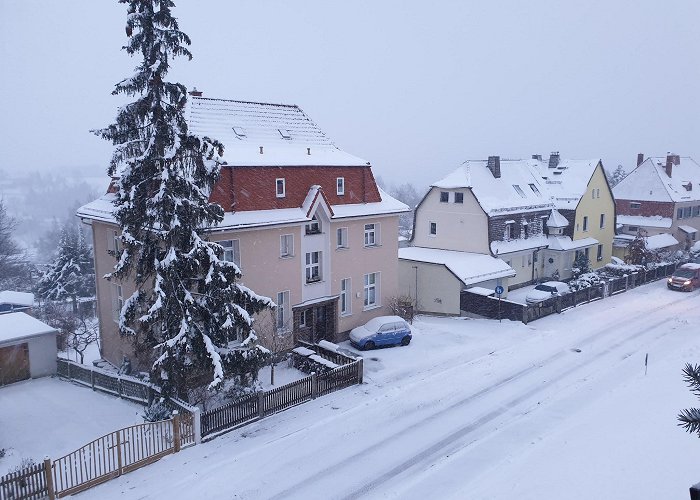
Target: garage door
[[14, 363]]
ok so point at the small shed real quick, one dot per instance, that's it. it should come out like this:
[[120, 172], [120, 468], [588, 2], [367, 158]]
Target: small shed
[[15, 301], [27, 348]]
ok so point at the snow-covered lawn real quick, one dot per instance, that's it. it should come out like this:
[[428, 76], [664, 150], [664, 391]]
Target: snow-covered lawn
[[48, 416], [559, 408], [284, 374]]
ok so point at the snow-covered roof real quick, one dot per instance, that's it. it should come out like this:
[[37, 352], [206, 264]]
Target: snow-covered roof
[[650, 182], [468, 267], [566, 243], [102, 210], [18, 326], [518, 245], [480, 290], [640, 220], [662, 240], [688, 229], [17, 298], [568, 181], [288, 137], [556, 219], [499, 195]]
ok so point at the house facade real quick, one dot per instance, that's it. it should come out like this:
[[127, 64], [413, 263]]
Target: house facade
[[304, 221], [530, 215], [660, 198]]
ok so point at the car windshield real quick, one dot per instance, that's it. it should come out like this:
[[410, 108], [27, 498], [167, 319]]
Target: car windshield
[[545, 288], [683, 273]]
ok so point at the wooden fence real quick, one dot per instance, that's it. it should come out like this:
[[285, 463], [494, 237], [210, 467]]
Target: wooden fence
[[489, 306], [26, 484], [256, 406]]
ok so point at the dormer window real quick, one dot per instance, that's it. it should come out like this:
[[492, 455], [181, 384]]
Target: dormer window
[[284, 133], [313, 227], [281, 188], [340, 186]]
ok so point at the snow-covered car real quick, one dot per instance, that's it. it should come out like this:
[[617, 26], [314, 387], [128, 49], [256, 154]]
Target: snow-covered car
[[381, 331], [545, 291], [686, 278]]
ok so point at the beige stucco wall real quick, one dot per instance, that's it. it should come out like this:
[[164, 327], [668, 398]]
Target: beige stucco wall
[[593, 207], [460, 226], [438, 288], [522, 263]]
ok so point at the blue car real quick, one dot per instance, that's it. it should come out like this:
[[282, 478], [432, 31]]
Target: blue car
[[380, 332]]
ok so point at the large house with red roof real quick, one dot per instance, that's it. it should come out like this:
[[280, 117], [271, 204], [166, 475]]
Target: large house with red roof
[[305, 222]]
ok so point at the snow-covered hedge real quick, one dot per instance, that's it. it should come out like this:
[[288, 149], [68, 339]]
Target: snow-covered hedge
[[586, 280]]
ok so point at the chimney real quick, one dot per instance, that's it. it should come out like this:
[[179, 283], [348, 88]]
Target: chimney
[[494, 165], [261, 150], [554, 159], [676, 159], [669, 164], [537, 157], [640, 158], [308, 151], [195, 93]]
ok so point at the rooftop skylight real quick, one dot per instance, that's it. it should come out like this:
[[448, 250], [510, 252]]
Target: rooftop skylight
[[519, 190], [284, 133], [239, 131]]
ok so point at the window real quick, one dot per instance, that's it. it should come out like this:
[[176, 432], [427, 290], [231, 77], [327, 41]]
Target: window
[[593, 194], [602, 221], [687, 212], [433, 229], [585, 223], [283, 310], [342, 237], [459, 197], [113, 243], [313, 267], [313, 227], [535, 190], [281, 188], [302, 318], [679, 213], [599, 255], [345, 294], [508, 235], [525, 231], [287, 245], [117, 302], [371, 290], [519, 190], [232, 251], [597, 193], [371, 235], [634, 205], [444, 197], [633, 229], [587, 253], [696, 211], [340, 186]]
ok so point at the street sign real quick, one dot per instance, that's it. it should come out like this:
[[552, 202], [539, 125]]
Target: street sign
[[499, 290]]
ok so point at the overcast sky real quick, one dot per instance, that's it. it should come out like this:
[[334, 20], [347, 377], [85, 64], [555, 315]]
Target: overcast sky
[[414, 87]]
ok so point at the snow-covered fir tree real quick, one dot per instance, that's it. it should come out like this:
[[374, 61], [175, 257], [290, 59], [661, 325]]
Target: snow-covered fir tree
[[617, 175], [689, 418], [187, 304], [582, 264], [72, 273], [637, 251]]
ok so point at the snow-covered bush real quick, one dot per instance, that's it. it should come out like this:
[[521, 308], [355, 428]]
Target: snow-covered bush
[[2, 452], [618, 270], [156, 412], [586, 280]]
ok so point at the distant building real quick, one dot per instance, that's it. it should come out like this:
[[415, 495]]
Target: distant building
[[11, 301], [304, 221]]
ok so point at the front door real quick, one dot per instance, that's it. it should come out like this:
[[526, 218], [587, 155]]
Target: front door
[[14, 363], [320, 323]]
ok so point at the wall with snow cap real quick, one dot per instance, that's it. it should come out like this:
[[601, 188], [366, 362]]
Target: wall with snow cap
[[438, 289], [42, 355]]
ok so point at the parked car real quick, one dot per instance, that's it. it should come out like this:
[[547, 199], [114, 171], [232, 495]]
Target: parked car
[[381, 331], [686, 278], [545, 291]]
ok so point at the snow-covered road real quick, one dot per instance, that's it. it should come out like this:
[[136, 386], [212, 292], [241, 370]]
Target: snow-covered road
[[461, 413]]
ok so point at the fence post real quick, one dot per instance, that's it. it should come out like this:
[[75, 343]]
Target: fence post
[[119, 386], [314, 385], [68, 364], [119, 453], [49, 478], [360, 370], [176, 430], [197, 422], [261, 404], [92, 379]]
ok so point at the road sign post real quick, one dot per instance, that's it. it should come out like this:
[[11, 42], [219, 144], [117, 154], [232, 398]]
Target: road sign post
[[499, 292]]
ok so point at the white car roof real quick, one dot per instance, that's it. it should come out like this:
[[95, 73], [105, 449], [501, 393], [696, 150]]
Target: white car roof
[[382, 320]]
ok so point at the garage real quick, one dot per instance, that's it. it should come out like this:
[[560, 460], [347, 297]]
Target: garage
[[27, 348]]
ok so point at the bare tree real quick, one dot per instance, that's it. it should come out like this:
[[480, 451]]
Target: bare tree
[[85, 334], [14, 265], [275, 336]]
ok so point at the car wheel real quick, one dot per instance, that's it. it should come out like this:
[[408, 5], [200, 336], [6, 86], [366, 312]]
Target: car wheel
[[405, 341], [369, 345]]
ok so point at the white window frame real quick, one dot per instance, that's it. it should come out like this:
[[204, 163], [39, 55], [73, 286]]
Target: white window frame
[[280, 182], [117, 301], [444, 194], [340, 186], [432, 228], [372, 235], [461, 195], [313, 263], [286, 246], [372, 290], [345, 297], [232, 251], [282, 311], [302, 318], [313, 226], [341, 238], [508, 233], [599, 254]]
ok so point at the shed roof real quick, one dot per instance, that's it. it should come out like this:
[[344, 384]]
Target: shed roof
[[18, 326], [17, 298]]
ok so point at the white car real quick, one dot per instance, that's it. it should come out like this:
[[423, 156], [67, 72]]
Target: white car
[[545, 291]]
